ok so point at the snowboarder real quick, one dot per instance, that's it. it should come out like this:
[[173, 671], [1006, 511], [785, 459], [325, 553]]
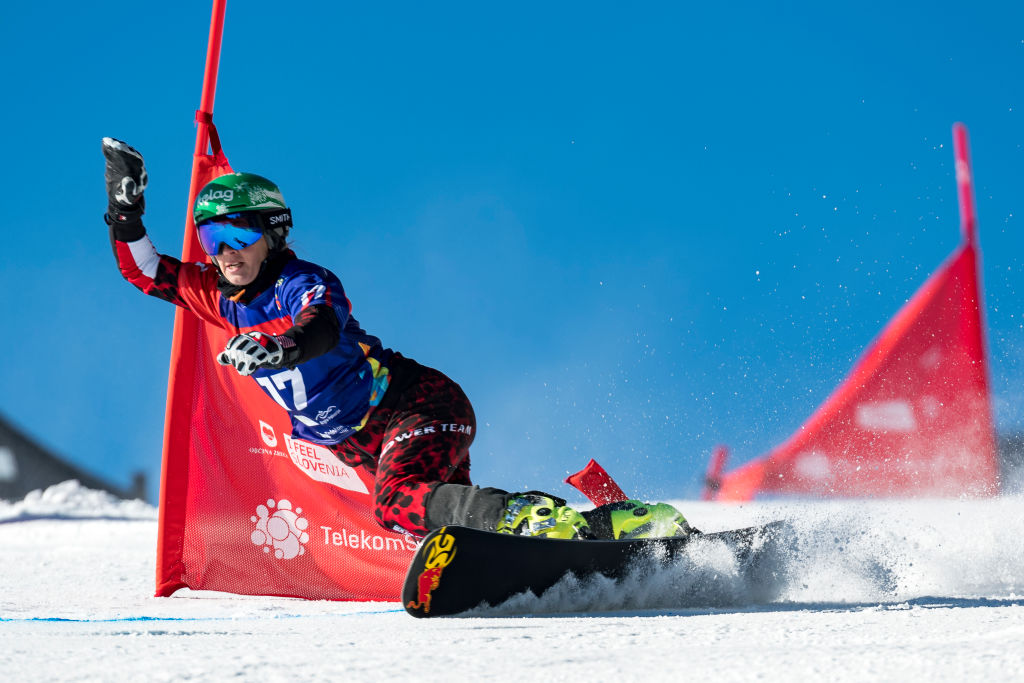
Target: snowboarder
[[407, 424]]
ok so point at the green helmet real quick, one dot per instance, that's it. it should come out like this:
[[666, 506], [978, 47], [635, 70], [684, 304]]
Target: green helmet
[[239, 192]]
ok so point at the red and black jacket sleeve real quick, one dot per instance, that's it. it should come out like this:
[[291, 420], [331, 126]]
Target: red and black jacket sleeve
[[315, 332], [189, 285]]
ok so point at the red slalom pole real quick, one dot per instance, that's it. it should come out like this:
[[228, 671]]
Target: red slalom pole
[[210, 74], [969, 232], [201, 161], [713, 478], [964, 184], [181, 378]]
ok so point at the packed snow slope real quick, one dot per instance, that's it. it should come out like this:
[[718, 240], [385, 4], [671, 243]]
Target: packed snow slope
[[894, 590]]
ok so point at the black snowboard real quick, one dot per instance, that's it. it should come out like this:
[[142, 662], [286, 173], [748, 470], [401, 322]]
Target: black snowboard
[[458, 568]]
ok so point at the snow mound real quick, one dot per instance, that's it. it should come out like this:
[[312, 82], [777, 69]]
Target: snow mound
[[71, 500]]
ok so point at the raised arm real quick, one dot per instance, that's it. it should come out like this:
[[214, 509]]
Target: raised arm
[[140, 264]]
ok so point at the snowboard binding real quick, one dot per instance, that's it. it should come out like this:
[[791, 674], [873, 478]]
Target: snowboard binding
[[538, 514]]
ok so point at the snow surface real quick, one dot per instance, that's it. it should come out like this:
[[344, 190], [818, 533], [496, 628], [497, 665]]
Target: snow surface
[[894, 590]]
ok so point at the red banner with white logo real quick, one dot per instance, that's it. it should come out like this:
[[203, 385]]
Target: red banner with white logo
[[913, 417], [244, 508]]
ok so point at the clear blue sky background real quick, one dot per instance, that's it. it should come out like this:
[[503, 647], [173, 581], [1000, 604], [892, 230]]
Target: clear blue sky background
[[630, 231]]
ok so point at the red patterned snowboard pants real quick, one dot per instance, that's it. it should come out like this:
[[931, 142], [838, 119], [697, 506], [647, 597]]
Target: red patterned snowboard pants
[[417, 438]]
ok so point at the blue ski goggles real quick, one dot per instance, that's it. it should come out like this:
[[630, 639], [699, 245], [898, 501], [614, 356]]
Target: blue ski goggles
[[232, 230]]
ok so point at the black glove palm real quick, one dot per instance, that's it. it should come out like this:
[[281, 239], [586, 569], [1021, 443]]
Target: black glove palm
[[126, 179]]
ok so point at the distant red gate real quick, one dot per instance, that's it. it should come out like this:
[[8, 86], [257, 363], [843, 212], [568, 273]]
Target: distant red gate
[[913, 416]]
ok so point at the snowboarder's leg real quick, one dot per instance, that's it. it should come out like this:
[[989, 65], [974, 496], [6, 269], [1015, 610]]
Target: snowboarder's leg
[[426, 442], [533, 513], [465, 505]]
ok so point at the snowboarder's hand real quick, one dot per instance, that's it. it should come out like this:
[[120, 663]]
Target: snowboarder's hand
[[125, 175], [252, 350]]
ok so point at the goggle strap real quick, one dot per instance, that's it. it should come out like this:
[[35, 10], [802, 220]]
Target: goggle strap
[[277, 218]]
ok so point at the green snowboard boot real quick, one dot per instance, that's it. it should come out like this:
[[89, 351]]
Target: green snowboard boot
[[631, 519]]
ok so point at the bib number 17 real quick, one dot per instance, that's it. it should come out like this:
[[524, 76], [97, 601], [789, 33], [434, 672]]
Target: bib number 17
[[276, 383]]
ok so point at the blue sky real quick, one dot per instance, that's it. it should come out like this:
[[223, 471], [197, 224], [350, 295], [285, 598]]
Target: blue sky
[[630, 233]]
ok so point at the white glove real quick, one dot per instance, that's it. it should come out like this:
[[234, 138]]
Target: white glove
[[252, 350]]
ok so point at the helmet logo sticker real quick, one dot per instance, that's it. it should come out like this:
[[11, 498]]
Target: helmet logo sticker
[[226, 195]]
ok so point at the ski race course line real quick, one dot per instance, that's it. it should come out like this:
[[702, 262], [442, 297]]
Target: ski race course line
[[116, 620]]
